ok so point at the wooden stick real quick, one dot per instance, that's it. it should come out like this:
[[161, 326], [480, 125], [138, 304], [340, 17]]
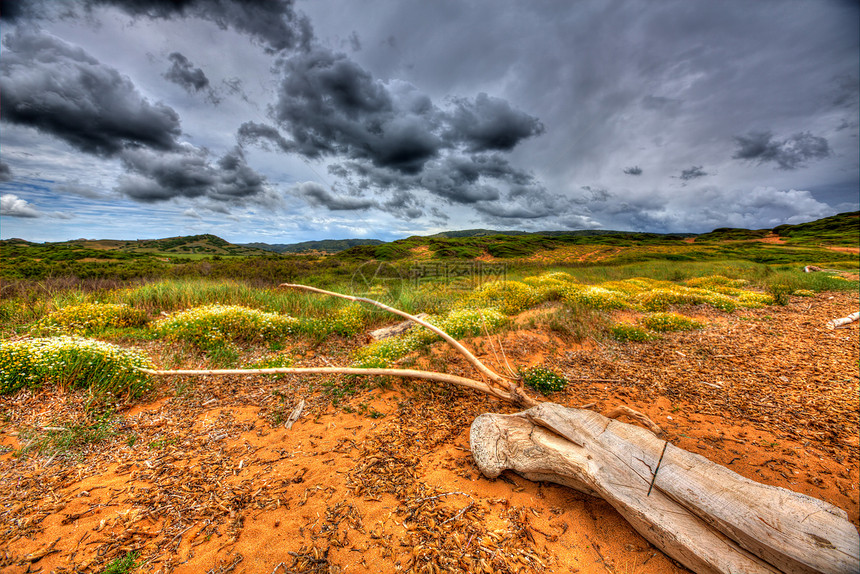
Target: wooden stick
[[636, 416], [513, 389], [407, 373]]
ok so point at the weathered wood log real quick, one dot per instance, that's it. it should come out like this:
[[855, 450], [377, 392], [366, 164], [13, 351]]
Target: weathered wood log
[[394, 330], [703, 515], [837, 323]]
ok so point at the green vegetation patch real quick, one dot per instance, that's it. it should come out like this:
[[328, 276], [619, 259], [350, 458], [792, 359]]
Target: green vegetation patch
[[663, 322], [458, 323], [628, 332], [106, 369], [214, 326], [88, 319], [595, 297], [509, 296], [543, 380]]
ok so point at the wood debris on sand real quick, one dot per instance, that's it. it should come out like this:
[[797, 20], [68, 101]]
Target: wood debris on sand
[[213, 482]]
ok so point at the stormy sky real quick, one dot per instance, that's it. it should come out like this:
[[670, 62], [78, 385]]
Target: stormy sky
[[284, 121]]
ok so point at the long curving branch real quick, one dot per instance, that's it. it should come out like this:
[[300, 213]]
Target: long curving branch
[[513, 388]]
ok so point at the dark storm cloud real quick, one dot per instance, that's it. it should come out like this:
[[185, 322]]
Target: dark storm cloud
[[59, 89], [183, 73], [263, 135], [187, 172], [488, 124], [693, 173], [790, 153], [5, 172], [318, 195], [275, 23], [391, 135], [635, 170], [332, 106]]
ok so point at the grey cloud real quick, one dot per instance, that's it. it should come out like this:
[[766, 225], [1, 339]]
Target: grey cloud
[[391, 135], [597, 193], [355, 42], [187, 172], [847, 91], [404, 205], [59, 89], [5, 171], [661, 104], [790, 153], [183, 73], [318, 195], [692, 173], [262, 135], [13, 206], [488, 124], [273, 22], [635, 170], [332, 106]]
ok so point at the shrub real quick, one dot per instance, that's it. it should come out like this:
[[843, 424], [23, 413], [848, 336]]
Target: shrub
[[752, 299], [213, 326], [106, 369], [669, 322], [509, 296], [781, 293], [549, 286], [543, 380], [804, 293], [710, 281], [595, 297], [88, 319], [346, 321], [662, 299], [628, 332]]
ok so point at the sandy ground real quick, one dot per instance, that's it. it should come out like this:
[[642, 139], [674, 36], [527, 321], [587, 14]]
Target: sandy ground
[[207, 479]]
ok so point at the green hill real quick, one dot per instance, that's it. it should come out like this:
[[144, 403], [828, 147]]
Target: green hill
[[324, 245], [842, 229]]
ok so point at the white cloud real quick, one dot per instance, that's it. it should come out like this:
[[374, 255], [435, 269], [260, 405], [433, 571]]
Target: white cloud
[[13, 206]]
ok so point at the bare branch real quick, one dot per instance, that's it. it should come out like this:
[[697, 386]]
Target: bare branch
[[515, 391], [407, 373]]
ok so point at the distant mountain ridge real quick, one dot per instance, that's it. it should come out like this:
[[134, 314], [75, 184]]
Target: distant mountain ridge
[[841, 229], [326, 245]]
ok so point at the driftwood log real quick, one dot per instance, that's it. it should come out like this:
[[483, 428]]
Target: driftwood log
[[703, 515], [841, 322]]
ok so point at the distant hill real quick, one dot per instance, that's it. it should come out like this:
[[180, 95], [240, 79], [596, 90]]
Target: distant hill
[[324, 245], [842, 229], [192, 245], [556, 233], [733, 234]]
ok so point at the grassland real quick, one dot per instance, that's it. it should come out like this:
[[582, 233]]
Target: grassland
[[688, 330]]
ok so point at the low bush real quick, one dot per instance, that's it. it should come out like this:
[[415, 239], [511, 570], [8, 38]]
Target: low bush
[[89, 318], [106, 369], [543, 380], [214, 326], [510, 297], [593, 297], [628, 332], [663, 322]]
